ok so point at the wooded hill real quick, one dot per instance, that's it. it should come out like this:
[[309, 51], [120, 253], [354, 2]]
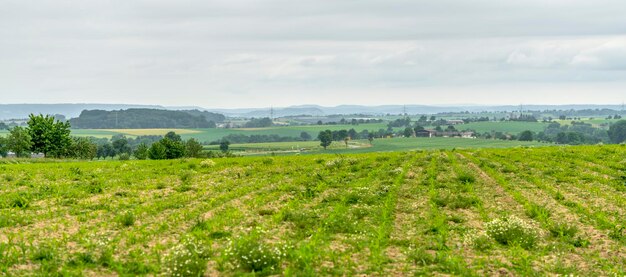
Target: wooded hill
[[145, 118]]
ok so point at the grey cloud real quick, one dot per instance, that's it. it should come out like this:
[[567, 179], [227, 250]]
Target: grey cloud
[[188, 50]]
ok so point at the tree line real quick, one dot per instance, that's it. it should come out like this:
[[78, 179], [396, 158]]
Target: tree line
[[51, 138], [579, 133], [145, 118]]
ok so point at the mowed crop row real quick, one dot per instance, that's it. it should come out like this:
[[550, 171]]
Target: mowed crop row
[[521, 211]]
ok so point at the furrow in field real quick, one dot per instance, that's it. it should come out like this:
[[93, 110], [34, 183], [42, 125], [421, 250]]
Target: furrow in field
[[587, 195], [602, 252]]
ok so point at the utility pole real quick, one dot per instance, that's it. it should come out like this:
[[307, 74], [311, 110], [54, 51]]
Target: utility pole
[[272, 113], [404, 109], [116, 119]]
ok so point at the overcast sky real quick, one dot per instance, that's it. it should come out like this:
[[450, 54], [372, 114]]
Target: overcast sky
[[232, 53]]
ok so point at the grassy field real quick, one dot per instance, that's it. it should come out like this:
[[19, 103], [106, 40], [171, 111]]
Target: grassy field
[[522, 211], [512, 127], [208, 135], [379, 145]]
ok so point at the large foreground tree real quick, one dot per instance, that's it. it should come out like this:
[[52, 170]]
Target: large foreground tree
[[49, 136]]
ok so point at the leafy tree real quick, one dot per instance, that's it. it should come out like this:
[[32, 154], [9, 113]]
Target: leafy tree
[[408, 132], [3, 126], [193, 148], [4, 149], [141, 153], [450, 129], [173, 149], [173, 136], [19, 141], [353, 134], [83, 148], [326, 138], [157, 151], [49, 136], [370, 137], [105, 150], [346, 140], [305, 136], [224, 145], [339, 135], [526, 136], [617, 131], [120, 145]]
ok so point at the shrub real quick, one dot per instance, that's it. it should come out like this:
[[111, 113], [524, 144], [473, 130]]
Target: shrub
[[207, 163], [250, 254], [188, 258], [186, 176], [512, 230], [124, 157]]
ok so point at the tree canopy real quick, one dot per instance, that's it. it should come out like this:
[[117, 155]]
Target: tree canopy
[[617, 131], [141, 118], [49, 136]]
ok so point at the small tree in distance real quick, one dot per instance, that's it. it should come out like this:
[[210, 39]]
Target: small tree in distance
[[326, 138], [193, 148], [526, 136], [224, 145]]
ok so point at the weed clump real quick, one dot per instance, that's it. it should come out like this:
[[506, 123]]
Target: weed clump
[[478, 241], [127, 219], [512, 230], [208, 163], [251, 254], [466, 178], [562, 230], [188, 258], [19, 201], [535, 211]]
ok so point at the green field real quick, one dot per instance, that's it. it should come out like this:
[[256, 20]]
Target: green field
[[379, 145], [520, 211], [208, 135], [512, 127]]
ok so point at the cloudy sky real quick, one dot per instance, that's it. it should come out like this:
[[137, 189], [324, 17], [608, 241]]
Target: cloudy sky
[[232, 53]]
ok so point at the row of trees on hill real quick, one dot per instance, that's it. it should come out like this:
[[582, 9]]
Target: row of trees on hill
[[145, 118]]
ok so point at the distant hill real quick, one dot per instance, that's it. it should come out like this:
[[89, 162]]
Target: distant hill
[[141, 119], [10, 111], [315, 110]]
